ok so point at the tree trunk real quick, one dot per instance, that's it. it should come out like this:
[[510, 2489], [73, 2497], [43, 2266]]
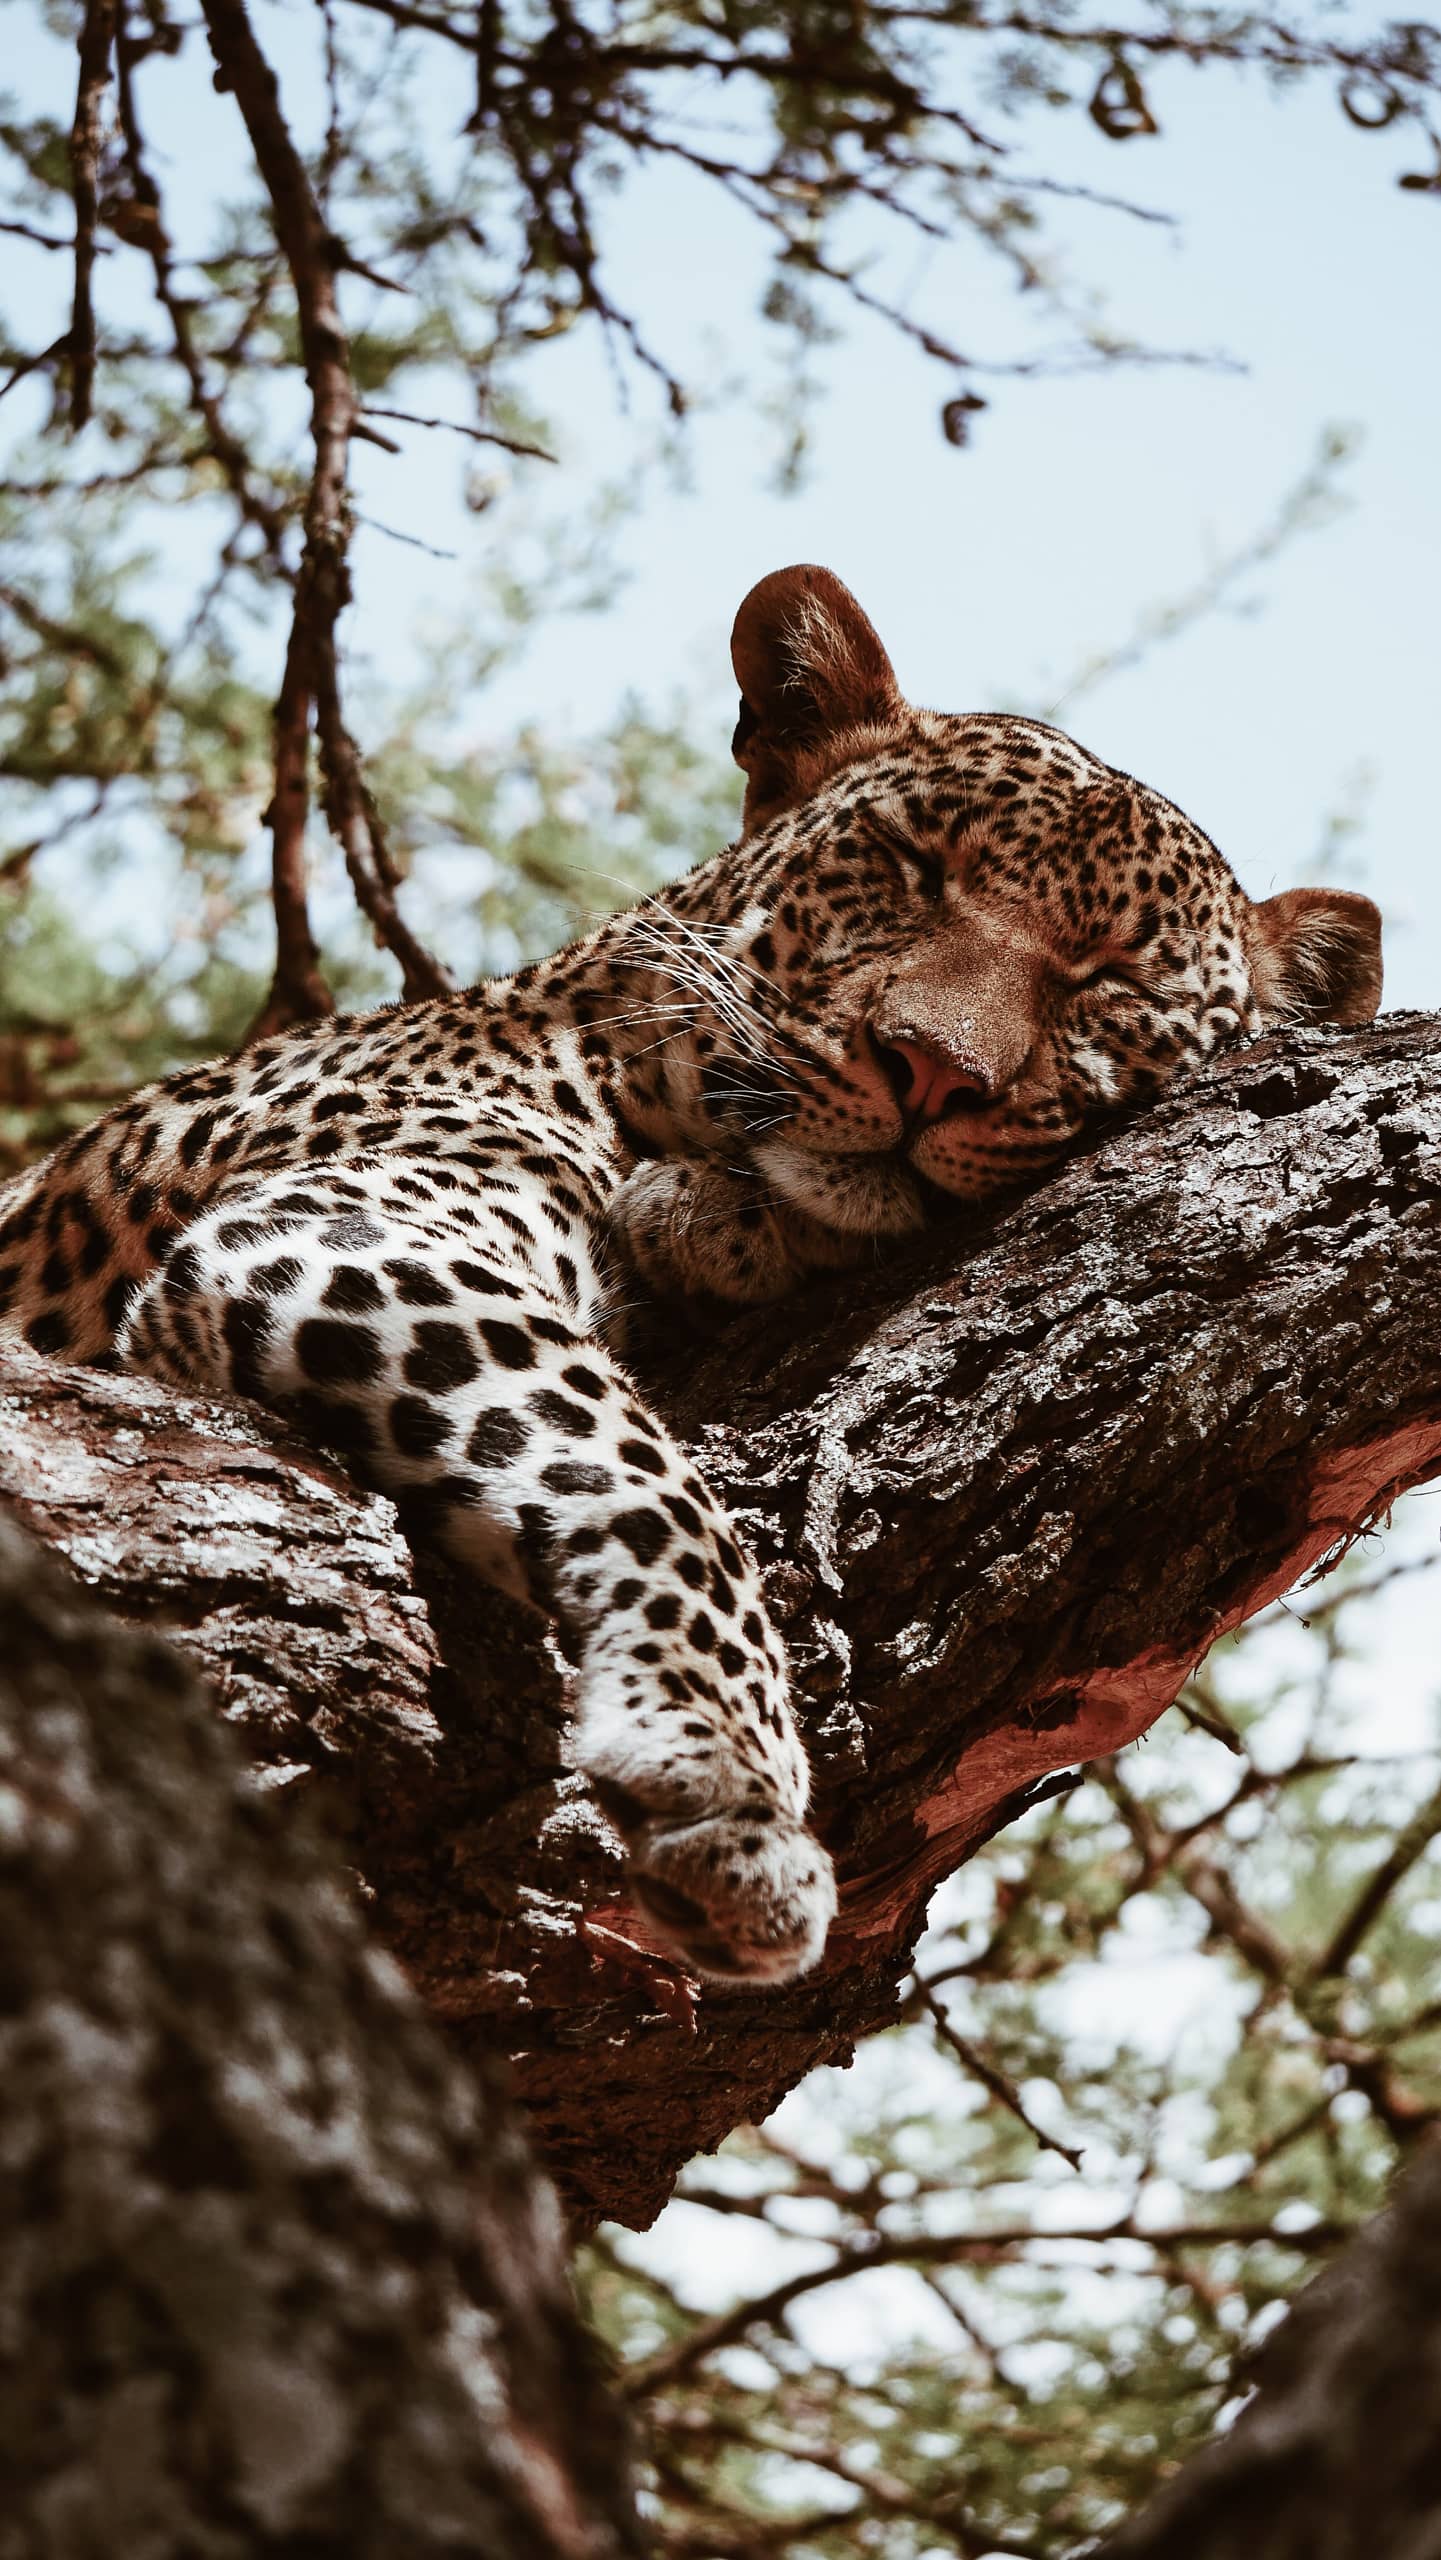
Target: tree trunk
[[1338, 2456], [275, 2276], [1006, 1492]]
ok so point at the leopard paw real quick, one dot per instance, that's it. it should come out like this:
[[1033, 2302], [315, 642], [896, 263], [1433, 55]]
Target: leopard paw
[[742, 1896]]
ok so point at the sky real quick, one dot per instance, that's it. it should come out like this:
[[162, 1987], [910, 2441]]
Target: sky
[[1083, 504], [995, 574]]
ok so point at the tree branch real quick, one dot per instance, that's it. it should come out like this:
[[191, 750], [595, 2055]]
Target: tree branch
[[275, 2275], [312, 676], [1337, 2452], [97, 36], [145, 228], [1005, 1495]]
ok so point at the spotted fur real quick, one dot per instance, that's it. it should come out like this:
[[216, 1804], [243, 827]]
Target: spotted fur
[[941, 945]]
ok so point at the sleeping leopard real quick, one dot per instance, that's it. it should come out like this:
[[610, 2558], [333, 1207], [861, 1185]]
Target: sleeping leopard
[[940, 947]]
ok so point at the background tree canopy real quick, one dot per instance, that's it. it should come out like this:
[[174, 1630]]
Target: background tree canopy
[[298, 236], [264, 270]]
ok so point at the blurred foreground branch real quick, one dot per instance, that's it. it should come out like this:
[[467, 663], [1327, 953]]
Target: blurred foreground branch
[[273, 2274], [1337, 2452]]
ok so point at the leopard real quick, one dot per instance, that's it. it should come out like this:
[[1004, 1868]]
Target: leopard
[[942, 947]]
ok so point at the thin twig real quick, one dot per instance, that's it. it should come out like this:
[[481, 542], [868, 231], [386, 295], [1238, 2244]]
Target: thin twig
[[1410, 1844], [32, 364], [956, 2249], [457, 427], [268, 519], [990, 2075], [38, 239]]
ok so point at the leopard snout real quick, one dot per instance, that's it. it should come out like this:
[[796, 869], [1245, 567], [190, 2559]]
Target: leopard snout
[[932, 1078]]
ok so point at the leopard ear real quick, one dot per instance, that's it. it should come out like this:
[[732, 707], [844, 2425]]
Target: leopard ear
[[1316, 956], [810, 669]]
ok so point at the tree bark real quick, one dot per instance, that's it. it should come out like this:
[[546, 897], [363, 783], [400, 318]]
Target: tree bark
[[275, 2276], [1006, 1492], [1336, 2457]]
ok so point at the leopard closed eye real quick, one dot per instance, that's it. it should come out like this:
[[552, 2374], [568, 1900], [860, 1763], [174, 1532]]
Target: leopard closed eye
[[941, 944]]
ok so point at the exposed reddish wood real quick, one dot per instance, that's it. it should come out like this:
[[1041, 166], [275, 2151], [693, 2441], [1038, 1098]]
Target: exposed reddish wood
[[1005, 1492]]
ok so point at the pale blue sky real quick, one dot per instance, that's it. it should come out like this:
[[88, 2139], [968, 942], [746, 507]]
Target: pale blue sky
[[995, 573]]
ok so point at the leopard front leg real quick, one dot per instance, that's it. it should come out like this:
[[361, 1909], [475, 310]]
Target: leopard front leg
[[704, 1227], [452, 1363]]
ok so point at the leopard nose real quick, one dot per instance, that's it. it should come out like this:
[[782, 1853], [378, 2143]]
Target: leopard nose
[[931, 1078]]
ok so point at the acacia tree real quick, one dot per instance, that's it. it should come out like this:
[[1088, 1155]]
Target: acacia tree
[[1006, 1497], [427, 206]]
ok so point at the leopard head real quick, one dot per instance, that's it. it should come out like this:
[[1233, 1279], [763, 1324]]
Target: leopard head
[[950, 940]]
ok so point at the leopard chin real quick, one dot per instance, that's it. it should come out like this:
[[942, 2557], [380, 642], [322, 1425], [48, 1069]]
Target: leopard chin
[[852, 1195]]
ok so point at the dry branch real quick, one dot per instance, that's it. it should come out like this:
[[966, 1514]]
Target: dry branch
[[322, 589], [1006, 1494], [97, 36]]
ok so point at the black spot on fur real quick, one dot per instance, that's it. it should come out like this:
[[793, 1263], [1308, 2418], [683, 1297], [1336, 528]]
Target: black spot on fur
[[509, 1344], [117, 1299], [645, 1533], [198, 1136], [562, 1414], [247, 1327], [441, 1358], [182, 1272], [571, 1475], [495, 1438], [415, 1285], [586, 1382], [337, 1355], [350, 1234], [275, 1279], [640, 1453], [418, 1429]]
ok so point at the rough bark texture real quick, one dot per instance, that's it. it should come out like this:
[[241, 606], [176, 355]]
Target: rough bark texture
[[275, 2277], [1338, 2456], [1007, 1493]]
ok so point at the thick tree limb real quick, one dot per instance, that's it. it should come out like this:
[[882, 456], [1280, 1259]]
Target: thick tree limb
[[274, 2276], [1006, 1496]]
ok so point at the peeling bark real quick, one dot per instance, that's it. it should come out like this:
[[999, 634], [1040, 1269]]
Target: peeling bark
[[1006, 1491], [275, 2276]]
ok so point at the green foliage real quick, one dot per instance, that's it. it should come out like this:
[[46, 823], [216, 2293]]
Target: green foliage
[[896, 2319], [135, 743]]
